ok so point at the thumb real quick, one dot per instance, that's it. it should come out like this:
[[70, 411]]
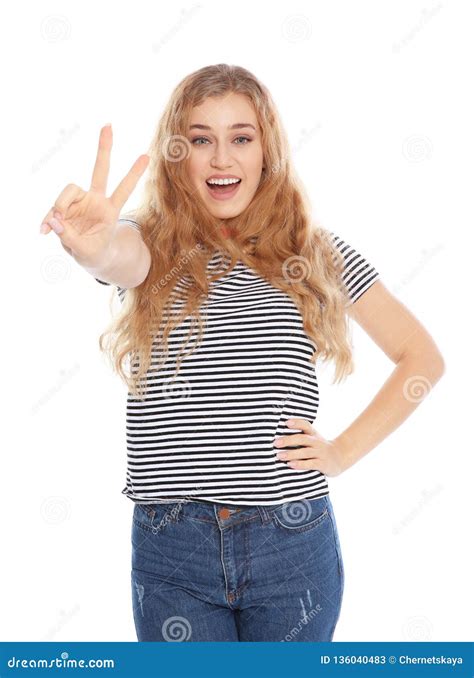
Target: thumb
[[62, 229], [56, 223]]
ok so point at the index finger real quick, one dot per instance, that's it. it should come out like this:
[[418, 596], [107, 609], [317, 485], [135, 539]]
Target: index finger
[[102, 163]]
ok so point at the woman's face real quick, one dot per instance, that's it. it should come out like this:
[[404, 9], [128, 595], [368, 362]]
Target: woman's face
[[225, 141]]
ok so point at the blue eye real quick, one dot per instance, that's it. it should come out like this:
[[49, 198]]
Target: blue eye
[[204, 139]]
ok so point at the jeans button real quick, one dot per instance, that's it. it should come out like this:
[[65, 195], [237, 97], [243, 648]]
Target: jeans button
[[224, 513]]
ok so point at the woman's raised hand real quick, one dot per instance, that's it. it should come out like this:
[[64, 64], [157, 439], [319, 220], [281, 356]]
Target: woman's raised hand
[[85, 221]]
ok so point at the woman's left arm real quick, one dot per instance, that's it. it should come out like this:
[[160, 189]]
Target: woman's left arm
[[419, 366]]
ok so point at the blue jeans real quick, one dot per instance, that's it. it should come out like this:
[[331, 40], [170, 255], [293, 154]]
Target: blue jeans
[[205, 571]]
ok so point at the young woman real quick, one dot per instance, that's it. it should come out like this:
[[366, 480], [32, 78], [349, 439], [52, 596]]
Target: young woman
[[230, 293]]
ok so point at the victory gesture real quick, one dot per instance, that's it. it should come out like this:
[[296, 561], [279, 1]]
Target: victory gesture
[[85, 221]]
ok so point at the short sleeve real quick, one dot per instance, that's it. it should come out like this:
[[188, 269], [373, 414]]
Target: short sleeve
[[133, 224], [358, 274]]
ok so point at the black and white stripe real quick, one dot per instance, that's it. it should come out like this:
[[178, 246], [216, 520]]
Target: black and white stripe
[[210, 433], [358, 274]]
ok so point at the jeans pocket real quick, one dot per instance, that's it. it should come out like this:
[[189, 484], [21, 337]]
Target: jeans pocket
[[155, 517], [302, 515]]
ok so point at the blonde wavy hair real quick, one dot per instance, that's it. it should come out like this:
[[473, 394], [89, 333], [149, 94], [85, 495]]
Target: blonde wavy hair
[[274, 235]]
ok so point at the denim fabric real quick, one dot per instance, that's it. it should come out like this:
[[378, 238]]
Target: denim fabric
[[204, 571]]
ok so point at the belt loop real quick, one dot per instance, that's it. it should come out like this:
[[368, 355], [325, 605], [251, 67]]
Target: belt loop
[[264, 514]]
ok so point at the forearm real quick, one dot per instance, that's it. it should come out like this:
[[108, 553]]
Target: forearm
[[127, 262], [409, 383]]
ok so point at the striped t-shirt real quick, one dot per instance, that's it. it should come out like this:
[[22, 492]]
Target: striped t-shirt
[[210, 433]]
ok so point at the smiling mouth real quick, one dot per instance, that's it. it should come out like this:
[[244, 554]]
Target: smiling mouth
[[222, 191], [221, 187]]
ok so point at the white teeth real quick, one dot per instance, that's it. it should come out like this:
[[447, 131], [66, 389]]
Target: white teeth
[[221, 182]]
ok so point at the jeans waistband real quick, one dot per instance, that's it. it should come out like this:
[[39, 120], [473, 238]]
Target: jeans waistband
[[226, 510]]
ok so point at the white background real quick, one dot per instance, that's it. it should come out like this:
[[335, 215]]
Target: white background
[[375, 98]]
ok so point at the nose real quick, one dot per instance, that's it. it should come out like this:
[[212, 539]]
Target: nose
[[222, 157]]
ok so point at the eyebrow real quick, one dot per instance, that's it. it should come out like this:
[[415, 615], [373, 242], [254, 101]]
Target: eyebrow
[[237, 125]]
